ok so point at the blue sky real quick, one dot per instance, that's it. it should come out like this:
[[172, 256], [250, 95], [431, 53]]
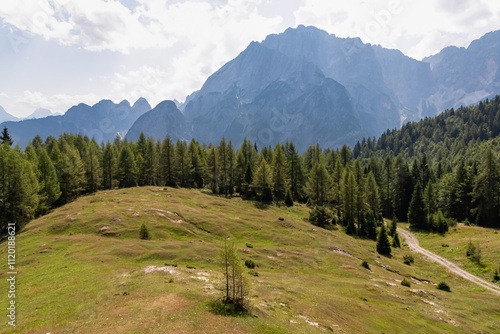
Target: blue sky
[[58, 53]]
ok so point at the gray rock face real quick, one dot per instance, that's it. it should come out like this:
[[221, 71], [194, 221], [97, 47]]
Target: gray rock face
[[164, 119]]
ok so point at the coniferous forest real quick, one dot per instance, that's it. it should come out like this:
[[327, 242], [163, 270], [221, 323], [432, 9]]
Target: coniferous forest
[[430, 173]]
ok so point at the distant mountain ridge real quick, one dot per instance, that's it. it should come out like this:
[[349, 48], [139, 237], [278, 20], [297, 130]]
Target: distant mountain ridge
[[304, 85], [104, 120]]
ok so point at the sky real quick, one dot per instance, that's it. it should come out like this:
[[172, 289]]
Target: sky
[[57, 53]]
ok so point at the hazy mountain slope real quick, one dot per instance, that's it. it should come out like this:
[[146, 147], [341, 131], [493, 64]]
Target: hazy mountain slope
[[164, 119], [466, 75], [5, 116], [104, 121], [40, 113]]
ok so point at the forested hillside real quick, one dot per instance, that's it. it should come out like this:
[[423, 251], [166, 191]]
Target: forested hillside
[[440, 167]]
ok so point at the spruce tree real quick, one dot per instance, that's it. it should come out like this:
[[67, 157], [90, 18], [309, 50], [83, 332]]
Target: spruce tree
[[396, 243], [47, 180], [5, 137], [383, 245], [168, 161], [486, 192], [127, 168], [416, 212]]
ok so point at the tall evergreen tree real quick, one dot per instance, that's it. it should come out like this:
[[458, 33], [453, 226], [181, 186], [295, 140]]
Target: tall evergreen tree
[[318, 187], [383, 244], [263, 180], [295, 173], [5, 137], [127, 169], [47, 180], [487, 192], [279, 171], [372, 197], [167, 161], [416, 213]]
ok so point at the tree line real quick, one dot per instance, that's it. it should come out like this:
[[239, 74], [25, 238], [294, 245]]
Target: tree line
[[395, 176]]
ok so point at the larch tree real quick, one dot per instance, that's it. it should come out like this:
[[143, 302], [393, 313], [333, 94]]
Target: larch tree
[[318, 187], [279, 171]]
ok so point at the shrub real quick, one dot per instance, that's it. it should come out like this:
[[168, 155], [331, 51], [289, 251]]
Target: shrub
[[171, 264], [144, 233], [395, 240], [250, 264], [281, 218], [253, 273], [249, 245], [190, 266], [320, 217], [408, 259], [474, 252], [365, 265], [496, 276], [444, 286], [445, 245], [405, 282]]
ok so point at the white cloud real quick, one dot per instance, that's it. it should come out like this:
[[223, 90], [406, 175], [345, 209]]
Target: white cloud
[[29, 101], [98, 25], [418, 29]]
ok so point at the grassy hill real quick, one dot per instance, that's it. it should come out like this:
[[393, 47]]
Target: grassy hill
[[453, 246], [83, 269]]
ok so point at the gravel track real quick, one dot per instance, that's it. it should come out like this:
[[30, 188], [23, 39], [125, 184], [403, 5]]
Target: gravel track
[[412, 242]]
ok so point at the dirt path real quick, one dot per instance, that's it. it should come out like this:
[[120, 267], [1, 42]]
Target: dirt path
[[412, 242]]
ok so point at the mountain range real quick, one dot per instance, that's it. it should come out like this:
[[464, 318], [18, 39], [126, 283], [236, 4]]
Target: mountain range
[[304, 85]]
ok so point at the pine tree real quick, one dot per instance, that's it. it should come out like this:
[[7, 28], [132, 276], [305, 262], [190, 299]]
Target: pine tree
[[18, 188], [486, 192], [318, 187], [183, 168], [109, 168], [223, 165], [383, 245], [279, 171], [167, 161], [213, 167], [263, 180], [394, 226], [396, 243], [294, 171], [372, 197], [47, 180], [231, 168], [349, 194], [196, 165], [403, 188], [127, 174], [5, 137], [93, 169], [387, 200], [416, 213]]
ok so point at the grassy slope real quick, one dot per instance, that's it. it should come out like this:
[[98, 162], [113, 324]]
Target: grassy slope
[[457, 240], [74, 279]]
